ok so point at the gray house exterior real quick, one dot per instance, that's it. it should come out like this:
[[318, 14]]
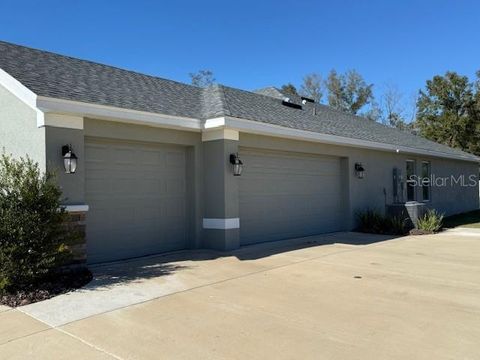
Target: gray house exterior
[[154, 173]]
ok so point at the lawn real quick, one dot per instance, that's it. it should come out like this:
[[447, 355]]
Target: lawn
[[470, 219]]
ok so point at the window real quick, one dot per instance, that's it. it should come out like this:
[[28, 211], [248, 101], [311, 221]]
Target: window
[[410, 180], [426, 180]]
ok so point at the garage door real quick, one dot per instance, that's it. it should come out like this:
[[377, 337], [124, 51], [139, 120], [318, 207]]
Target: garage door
[[286, 195], [137, 198]]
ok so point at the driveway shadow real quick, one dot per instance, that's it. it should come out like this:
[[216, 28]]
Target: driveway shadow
[[155, 266], [258, 251]]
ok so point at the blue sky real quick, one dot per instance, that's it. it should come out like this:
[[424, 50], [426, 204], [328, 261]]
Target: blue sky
[[251, 44]]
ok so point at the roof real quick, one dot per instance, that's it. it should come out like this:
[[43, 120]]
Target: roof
[[62, 77]]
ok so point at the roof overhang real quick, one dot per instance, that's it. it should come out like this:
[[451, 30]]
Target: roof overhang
[[256, 127], [44, 105], [111, 113]]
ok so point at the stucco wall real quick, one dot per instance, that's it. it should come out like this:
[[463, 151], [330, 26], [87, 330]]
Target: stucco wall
[[359, 194], [19, 134], [368, 192], [72, 185]]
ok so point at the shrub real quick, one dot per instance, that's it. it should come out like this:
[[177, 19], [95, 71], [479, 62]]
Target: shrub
[[372, 221], [432, 221], [396, 225], [32, 230]]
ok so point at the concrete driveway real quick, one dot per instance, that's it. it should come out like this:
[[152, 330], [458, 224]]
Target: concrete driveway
[[339, 296]]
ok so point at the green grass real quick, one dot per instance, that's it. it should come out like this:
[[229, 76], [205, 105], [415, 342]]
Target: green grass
[[470, 219]]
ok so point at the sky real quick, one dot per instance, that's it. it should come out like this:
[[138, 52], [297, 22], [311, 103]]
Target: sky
[[253, 44]]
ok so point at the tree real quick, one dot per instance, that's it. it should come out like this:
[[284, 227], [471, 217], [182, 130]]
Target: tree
[[289, 89], [448, 113], [393, 109], [348, 92], [374, 112], [312, 87], [202, 78]]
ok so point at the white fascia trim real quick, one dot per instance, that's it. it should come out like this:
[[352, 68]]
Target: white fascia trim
[[255, 127], [112, 113], [75, 208], [21, 92], [64, 121], [221, 224], [214, 123]]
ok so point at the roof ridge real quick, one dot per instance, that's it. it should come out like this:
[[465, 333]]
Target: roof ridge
[[214, 101], [224, 101]]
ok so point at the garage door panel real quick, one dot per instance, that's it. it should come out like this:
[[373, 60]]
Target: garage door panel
[[137, 198], [284, 195]]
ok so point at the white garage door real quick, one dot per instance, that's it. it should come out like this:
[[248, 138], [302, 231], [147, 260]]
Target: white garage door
[[137, 198], [286, 195]]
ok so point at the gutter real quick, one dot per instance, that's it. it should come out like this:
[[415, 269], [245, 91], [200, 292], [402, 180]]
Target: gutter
[[255, 127]]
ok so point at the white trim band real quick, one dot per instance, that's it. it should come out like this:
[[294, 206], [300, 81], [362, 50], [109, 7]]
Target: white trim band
[[63, 121], [220, 134], [112, 113], [75, 208], [221, 224]]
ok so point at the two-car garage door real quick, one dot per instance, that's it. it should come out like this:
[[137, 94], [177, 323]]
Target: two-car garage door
[[286, 195], [137, 198]]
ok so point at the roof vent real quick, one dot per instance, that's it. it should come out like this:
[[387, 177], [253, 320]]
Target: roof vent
[[306, 99], [288, 103]]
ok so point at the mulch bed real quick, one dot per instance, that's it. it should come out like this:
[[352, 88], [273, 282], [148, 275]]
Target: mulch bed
[[57, 284]]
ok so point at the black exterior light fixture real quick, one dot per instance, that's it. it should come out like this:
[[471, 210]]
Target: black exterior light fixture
[[237, 164], [69, 159], [359, 170]]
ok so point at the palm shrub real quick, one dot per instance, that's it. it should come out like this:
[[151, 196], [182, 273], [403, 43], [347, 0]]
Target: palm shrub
[[32, 224], [432, 221]]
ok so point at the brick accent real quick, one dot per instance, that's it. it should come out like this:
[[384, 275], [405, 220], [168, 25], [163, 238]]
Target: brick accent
[[76, 223]]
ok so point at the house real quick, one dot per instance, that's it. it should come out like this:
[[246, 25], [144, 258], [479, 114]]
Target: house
[[153, 158]]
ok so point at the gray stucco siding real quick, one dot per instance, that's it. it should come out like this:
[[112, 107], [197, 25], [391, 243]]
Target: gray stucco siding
[[72, 185], [221, 199], [19, 134]]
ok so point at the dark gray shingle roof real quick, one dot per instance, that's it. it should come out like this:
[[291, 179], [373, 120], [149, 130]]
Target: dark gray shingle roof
[[52, 75], [324, 119]]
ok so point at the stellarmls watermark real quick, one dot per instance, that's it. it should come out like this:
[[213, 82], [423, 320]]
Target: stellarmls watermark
[[444, 181]]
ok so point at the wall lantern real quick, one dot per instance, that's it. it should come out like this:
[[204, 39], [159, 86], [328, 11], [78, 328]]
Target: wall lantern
[[359, 170], [237, 164], [69, 159]]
